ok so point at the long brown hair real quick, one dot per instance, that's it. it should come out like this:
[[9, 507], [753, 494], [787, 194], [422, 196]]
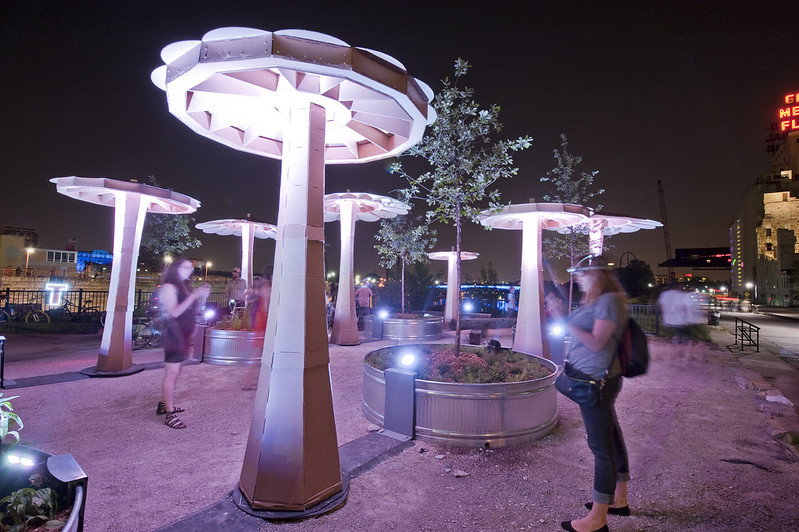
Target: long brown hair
[[605, 281]]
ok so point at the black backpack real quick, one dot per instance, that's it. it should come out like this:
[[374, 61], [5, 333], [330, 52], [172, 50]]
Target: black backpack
[[633, 351]]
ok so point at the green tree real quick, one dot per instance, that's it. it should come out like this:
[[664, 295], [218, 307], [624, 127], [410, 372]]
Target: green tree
[[403, 240], [636, 278], [166, 234], [464, 162], [570, 186], [488, 275]]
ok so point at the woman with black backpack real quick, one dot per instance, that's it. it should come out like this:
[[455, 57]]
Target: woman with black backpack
[[592, 365]]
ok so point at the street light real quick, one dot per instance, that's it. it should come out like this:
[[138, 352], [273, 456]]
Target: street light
[[207, 263], [28, 252]]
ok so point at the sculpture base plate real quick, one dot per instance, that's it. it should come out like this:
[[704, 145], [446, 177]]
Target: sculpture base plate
[[94, 372], [322, 507]]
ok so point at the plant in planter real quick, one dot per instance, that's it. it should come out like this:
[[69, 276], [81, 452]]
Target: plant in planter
[[35, 506], [8, 420], [403, 240], [475, 364], [464, 162]]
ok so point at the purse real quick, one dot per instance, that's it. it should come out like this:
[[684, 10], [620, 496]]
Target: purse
[[580, 387]]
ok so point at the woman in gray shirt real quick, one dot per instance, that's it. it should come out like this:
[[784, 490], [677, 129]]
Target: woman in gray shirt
[[596, 329]]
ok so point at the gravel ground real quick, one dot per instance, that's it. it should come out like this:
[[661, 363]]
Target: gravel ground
[[704, 446]]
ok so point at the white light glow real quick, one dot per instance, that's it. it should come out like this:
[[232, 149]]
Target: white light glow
[[20, 460], [54, 298], [383, 314], [407, 359], [468, 307]]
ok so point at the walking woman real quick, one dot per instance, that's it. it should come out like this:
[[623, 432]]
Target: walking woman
[[180, 305], [596, 329]]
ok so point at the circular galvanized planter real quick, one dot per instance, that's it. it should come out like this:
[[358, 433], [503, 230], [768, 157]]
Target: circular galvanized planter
[[229, 348], [472, 415], [407, 329]]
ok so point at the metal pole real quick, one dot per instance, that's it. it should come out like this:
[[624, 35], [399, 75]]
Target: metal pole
[[2, 358]]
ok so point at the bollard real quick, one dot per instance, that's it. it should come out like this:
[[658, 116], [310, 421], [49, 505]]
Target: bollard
[[2, 359], [400, 401]]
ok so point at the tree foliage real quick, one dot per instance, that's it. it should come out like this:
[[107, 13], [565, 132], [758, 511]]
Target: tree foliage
[[570, 186], [167, 234], [636, 278], [464, 160], [404, 240]]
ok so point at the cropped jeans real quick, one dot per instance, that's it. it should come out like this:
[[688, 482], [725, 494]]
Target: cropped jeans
[[607, 443]]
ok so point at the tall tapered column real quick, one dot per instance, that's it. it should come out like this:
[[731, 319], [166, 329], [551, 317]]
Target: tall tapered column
[[291, 461], [345, 322], [531, 320], [116, 354], [247, 240]]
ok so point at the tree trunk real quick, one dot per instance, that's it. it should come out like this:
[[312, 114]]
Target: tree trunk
[[402, 288], [458, 278]]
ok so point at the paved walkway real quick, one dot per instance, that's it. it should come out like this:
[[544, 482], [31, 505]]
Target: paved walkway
[[144, 476]]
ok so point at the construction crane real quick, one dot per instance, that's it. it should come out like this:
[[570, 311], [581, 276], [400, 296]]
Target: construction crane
[[665, 228]]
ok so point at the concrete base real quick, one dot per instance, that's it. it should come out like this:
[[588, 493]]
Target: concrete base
[[94, 372]]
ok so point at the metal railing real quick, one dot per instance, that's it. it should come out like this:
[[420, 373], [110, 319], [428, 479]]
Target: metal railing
[[747, 334], [82, 301]]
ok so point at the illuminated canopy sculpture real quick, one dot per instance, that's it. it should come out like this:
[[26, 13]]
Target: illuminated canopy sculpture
[[248, 230], [451, 303], [603, 224], [531, 218], [308, 99], [349, 207], [131, 202]]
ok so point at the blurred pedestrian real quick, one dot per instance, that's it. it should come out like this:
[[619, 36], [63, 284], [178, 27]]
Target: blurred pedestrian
[[235, 288], [596, 328], [512, 302], [179, 305], [364, 297]]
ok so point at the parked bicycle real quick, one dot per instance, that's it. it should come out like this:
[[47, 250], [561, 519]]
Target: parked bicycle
[[144, 334], [87, 312], [30, 312]]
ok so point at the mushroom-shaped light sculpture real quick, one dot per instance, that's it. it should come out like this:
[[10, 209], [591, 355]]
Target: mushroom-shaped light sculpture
[[309, 99], [531, 219], [602, 224], [131, 202], [453, 292], [348, 208], [248, 229]]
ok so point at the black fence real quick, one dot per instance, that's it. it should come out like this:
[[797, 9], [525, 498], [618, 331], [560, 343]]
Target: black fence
[[76, 304]]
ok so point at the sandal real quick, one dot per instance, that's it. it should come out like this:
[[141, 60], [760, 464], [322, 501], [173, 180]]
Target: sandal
[[162, 409], [173, 421]]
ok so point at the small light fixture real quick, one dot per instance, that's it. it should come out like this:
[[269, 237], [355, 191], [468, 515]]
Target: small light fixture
[[407, 359], [24, 461], [382, 314]]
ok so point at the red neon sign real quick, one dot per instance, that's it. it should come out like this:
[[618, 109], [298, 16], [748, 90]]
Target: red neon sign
[[789, 116]]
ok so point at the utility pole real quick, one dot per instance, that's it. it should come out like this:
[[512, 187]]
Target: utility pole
[[665, 228]]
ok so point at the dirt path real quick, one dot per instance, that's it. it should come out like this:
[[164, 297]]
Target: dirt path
[[701, 441]]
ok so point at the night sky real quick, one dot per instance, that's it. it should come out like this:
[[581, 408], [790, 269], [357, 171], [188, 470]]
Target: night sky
[[682, 92]]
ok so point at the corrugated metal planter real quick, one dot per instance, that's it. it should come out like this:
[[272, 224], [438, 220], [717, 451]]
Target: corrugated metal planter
[[407, 329], [232, 347], [472, 415]]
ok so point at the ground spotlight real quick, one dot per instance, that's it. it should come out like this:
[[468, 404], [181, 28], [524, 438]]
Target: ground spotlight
[[382, 314], [407, 359], [23, 461]]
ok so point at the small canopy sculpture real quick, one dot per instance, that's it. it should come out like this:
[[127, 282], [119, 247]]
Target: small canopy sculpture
[[531, 219], [603, 224], [248, 229], [351, 207], [309, 99], [453, 292], [131, 202]]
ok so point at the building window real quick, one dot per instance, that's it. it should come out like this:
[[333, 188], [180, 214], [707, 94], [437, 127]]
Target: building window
[[768, 232], [61, 256]]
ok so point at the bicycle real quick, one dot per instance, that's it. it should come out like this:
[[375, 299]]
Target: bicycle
[[84, 313], [26, 312], [144, 334]]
